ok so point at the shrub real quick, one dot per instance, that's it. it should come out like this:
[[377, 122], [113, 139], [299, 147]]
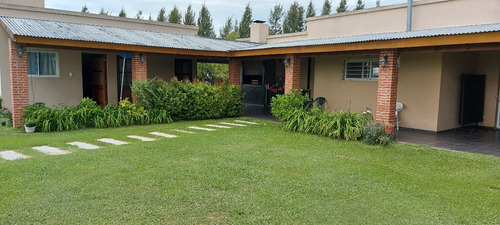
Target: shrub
[[283, 105], [374, 133]]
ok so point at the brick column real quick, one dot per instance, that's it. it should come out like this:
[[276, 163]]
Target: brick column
[[292, 73], [18, 83], [139, 69], [387, 88], [235, 72]]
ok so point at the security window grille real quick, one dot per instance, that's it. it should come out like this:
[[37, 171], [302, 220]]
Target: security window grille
[[361, 69], [42, 64]]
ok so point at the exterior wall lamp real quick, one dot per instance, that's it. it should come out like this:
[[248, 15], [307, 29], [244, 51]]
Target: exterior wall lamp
[[20, 51], [287, 61], [384, 60], [142, 57]]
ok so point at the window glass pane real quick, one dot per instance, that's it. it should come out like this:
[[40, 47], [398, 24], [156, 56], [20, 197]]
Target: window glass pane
[[354, 70], [375, 69], [32, 63], [48, 64]]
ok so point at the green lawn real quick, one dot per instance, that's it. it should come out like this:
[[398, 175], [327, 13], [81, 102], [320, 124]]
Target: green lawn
[[253, 174]]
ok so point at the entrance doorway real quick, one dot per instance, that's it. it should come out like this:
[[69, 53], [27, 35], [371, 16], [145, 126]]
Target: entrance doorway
[[94, 78], [124, 82]]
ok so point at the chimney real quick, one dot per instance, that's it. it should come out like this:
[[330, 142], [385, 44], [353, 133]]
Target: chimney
[[259, 31]]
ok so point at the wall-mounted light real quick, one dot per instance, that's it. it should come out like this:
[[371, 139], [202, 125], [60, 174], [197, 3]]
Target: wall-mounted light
[[399, 61], [20, 51], [384, 61], [142, 57], [287, 61]]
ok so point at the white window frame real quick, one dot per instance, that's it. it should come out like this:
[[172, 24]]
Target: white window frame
[[366, 75], [45, 76]]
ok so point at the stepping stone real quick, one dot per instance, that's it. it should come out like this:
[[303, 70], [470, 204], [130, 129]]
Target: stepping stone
[[112, 141], [201, 128], [217, 126], [233, 124], [184, 131], [142, 138], [83, 145], [12, 155], [50, 150], [247, 122], [163, 135]]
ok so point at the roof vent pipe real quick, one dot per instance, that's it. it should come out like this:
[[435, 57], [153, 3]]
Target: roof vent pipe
[[408, 15]]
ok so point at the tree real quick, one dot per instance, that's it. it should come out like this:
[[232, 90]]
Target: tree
[[294, 19], [377, 3], [161, 15], [189, 16], [342, 6], [103, 12], [205, 26], [122, 13], [85, 9], [275, 20], [175, 16], [359, 5], [327, 8], [139, 15], [234, 34], [225, 31], [212, 72], [311, 11], [246, 20], [150, 17]]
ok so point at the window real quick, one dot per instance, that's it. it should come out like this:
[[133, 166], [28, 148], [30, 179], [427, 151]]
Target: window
[[361, 69], [43, 64]]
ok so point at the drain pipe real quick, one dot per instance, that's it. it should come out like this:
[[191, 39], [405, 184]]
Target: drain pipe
[[408, 15]]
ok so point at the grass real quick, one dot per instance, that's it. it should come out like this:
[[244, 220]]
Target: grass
[[253, 174]]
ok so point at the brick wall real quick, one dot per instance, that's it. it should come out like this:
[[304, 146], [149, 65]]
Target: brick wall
[[235, 72], [387, 88], [139, 69], [18, 83], [292, 73]]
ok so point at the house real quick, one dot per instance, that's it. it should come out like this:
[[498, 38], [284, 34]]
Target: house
[[367, 59]]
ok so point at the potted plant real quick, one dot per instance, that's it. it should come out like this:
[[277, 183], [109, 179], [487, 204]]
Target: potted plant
[[30, 125]]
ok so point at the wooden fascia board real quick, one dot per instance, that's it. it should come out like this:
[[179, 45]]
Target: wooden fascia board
[[116, 47]]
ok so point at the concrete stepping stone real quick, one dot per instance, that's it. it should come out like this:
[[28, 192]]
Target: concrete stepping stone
[[217, 126], [83, 145], [233, 124], [163, 134], [50, 150], [12, 155], [183, 131], [142, 138], [112, 141], [201, 128], [247, 122]]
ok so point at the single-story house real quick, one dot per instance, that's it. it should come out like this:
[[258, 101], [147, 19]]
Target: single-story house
[[440, 58]]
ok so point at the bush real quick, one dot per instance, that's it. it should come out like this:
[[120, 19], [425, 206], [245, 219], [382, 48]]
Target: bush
[[374, 133], [283, 105], [189, 101]]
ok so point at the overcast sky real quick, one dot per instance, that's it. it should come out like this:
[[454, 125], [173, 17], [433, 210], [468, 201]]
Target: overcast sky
[[219, 9]]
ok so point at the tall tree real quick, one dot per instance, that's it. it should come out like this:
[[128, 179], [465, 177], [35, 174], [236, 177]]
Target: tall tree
[[122, 13], [150, 17], [327, 8], [234, 34], [359, 5], [205, 26], [85, 9], [161, 15], [189, 16], [311, 11], [294, 19], [139, 15], [103, 12], [246, 20], [275, 20], [377, 3], [225, 31], [175, 16], [342, 6]]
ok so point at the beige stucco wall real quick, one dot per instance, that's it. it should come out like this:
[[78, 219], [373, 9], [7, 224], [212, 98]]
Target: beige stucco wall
[[4, 69], [35, 3], [489, 64], [161, 66]]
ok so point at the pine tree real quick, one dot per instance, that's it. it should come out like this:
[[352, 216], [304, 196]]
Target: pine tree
[[150, 17], [189, 16], [225, 31], [342, 6], [161, 15], [234, 34], [205, 26], [359, 5], [175, 16], [103, 12], [311, 11], [294, 19], [275, 20], [85, 9], [246, 20], [122, 13], [139, 15], [327, 8], [377, 3]]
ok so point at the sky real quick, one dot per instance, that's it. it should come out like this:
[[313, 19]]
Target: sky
[[219, 9]]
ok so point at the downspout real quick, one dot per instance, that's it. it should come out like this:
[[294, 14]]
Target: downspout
[[408, 15]]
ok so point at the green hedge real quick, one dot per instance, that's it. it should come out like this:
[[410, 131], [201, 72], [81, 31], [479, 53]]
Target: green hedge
[[189, 101]]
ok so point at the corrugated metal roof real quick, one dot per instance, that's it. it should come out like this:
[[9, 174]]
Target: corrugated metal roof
[[485, 28], [104, 34]]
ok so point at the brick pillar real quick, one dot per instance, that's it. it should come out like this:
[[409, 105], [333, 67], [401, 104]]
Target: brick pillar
[[18, 83], [139, 68], [292, 73], [235, 72], [387, 88]]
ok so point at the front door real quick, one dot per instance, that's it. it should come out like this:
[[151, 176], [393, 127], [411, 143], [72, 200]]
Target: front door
[[94, 78]]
